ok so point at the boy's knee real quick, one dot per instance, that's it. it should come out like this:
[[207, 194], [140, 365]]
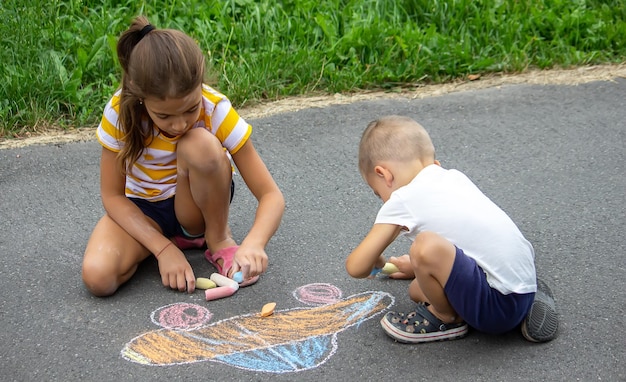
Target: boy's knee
[[428, 248]]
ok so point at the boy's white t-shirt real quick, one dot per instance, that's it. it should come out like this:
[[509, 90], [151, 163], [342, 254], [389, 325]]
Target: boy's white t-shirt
[[448, 203]]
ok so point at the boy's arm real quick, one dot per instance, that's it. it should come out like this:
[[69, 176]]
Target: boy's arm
[[362, 260]]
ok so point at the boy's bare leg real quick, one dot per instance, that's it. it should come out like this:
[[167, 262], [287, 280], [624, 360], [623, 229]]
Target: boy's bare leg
[[432, 258], [111, 257], [203, 188]]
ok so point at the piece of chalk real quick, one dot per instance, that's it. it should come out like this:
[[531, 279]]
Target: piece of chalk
[[238, 276], [204, 283], [219, 292], [374, 272], [390, 268], [268, 309], [224, 281]]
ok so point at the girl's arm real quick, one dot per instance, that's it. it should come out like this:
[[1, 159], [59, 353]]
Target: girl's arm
[[123, 211], [251, 256], [366, 255], [173, 266]]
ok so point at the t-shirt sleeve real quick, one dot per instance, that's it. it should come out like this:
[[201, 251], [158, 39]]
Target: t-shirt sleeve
[[395, 212], [108, 133], [224, 121]]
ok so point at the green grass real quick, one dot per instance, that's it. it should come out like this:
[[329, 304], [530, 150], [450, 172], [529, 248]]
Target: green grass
[[59, 67]]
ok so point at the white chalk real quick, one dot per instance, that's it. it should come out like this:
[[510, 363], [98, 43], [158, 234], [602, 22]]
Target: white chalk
[[220, 292], [224, 281]]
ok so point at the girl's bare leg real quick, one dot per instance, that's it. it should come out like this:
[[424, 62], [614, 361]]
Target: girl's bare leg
[[432, 258], [203, 188], [111, 257]]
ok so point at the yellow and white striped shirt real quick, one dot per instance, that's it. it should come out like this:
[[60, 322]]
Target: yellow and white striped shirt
[[153, 176]]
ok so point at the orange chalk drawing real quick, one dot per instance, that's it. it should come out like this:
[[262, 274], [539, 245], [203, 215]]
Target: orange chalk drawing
[[288, 341]]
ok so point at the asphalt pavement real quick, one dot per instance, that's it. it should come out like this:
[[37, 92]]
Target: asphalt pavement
[[552, 156]]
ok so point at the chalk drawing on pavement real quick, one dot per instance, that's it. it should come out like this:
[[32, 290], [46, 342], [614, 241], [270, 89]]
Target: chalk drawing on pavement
[[290, 340]]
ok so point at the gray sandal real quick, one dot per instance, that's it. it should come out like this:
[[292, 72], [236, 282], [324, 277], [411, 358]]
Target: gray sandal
[[420, 326]]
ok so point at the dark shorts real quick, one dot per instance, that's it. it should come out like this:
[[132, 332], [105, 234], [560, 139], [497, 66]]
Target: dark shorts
[[163, 213], [482, 307]]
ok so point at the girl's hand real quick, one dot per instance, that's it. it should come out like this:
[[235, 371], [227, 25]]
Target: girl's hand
[[404, 265], [250, 260], [175, 270]]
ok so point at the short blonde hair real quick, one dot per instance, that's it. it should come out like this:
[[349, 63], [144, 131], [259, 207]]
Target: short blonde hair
[[394, 138]]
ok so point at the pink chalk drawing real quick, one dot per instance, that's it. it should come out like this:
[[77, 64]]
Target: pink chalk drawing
[[317, 294], [182, 316], [290, 340]]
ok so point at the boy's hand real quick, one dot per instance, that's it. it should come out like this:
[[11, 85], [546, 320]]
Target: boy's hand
[[175, 270], [404, 265]]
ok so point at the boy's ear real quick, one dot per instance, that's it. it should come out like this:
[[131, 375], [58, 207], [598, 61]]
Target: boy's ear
[[380, 171], [384, 173]]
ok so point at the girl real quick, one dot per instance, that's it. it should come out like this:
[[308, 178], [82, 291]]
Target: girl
[[166, 176]]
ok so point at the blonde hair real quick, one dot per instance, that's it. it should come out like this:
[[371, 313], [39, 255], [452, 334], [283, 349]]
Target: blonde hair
[[158, 63], [394, 138]]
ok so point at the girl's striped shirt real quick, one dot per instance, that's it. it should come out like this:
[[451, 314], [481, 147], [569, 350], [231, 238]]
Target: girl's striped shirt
[[153, 176]]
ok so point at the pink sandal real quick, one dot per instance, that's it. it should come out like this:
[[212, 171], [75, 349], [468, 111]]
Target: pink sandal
[[226, 255], [184, 242]]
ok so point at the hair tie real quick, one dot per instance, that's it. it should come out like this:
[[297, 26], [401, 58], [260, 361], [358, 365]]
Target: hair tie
[[144, 31]]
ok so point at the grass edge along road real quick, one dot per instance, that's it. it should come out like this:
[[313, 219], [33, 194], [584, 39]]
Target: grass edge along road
[[59, 62], [540, 77]]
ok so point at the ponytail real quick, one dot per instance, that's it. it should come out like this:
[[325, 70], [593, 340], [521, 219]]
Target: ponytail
[[156, 63]]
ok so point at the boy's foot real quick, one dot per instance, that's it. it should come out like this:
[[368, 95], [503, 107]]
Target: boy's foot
[[420, 326], [542, 322]]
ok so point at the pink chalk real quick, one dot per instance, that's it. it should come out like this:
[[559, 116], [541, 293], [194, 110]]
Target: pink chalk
[[219, 292]]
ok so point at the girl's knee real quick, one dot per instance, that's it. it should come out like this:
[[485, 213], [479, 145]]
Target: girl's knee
[[98, 278], [199, 149]]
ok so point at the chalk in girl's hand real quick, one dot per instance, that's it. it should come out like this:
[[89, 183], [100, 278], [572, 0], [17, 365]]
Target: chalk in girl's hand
[[224, 281], [220, 292], [268, 309], [204, 283], [238, 276], [390, 268]]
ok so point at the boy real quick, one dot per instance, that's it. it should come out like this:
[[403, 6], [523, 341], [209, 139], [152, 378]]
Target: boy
[[470, 263]]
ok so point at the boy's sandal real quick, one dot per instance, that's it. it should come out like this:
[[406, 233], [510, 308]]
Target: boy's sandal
[[184, 242], [542, 321], [420, 326], [227, 255]]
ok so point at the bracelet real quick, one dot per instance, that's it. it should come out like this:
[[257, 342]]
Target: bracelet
[[161, 251]]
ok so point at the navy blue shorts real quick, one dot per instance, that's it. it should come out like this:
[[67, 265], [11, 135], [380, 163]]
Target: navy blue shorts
[[482, 307], [163, 213]]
